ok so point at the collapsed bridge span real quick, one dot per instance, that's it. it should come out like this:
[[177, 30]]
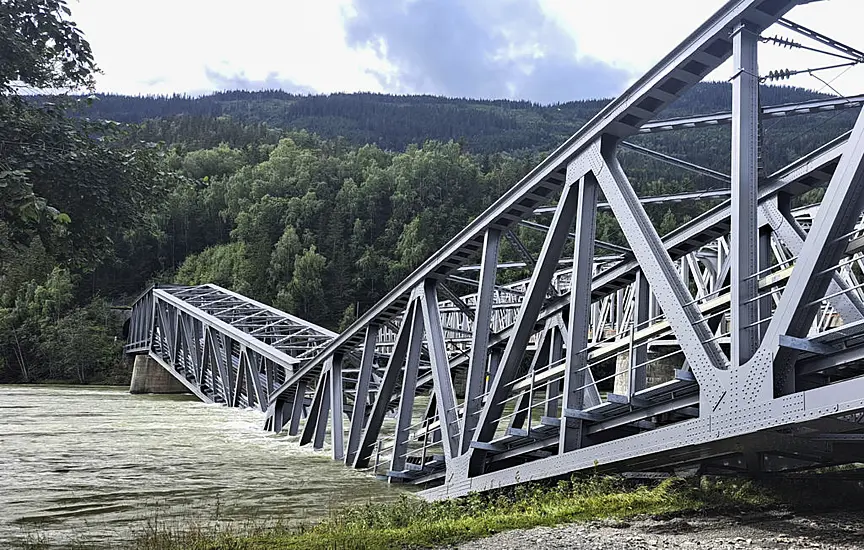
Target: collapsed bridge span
[[735, 343]]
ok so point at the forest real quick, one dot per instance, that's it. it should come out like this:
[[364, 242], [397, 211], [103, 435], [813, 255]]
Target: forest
[[314, 204]]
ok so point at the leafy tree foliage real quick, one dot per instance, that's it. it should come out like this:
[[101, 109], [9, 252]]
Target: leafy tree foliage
[[304, 293], [41, 47], [84, 185], [83, 344], [68, 192]]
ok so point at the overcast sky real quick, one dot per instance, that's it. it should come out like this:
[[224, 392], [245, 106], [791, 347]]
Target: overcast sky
[[541, 50]]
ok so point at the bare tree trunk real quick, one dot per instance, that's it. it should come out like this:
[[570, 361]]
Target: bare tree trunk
[[20, 355]]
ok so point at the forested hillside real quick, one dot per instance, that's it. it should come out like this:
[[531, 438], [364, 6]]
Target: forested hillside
[[322, 225], [389, 121], [317, 205]]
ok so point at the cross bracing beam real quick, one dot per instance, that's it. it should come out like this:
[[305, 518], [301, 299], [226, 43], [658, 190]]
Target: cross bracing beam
[[774, 112], [660, 199], [683, 164], [627, 363]]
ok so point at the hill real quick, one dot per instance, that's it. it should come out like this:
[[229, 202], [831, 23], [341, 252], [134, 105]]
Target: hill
[[361, 188], [393, 122], [318, 205]]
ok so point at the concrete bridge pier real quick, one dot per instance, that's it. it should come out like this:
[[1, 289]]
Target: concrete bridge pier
[[148, 376]]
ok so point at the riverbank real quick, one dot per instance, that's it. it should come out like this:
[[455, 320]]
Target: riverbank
[[512, 518], [107, 470], [780, 530]]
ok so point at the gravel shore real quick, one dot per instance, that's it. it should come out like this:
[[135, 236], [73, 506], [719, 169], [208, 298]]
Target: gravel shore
[[786, 531]]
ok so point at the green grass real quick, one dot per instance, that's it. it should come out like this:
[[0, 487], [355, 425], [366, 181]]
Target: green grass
[[414, 523]]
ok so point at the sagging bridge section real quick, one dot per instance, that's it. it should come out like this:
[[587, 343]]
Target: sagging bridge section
[[735, 343]]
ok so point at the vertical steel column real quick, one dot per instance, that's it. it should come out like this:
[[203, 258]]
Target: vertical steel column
[[766, 302], [337, 432], [494, 361], [448, 416], [198, 352], [385, 390], [278, 419], [409, 388], [320, 426], [641, 307], [269, 368], [240, 377], [207, 359], [474, 386], [175, 334], [745, 332], [580, 311], [217, 341], [553, 389], [314, 409], [364, 377], [297, 407]]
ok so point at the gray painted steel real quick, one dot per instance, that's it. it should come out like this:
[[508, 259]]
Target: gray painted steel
[[735, 342]]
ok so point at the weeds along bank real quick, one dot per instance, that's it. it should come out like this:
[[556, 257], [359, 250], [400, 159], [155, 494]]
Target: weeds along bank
[[414, 523]]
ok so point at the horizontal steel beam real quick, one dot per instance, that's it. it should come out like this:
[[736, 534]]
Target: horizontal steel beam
[[660, 199], [777, 111]]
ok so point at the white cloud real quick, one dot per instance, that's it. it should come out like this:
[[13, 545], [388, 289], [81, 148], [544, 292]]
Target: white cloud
[[162, 46], [636, 34]]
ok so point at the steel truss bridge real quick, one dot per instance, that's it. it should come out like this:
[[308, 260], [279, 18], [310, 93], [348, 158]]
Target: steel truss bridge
[[733, 344]]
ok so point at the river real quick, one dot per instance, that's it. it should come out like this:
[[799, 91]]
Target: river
[[88, 465]]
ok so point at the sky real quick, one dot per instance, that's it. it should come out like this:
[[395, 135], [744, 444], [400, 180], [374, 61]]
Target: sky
[[545, 51]]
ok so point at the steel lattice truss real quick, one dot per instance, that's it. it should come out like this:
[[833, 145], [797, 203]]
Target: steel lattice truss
[[224, 347], [736, 342]]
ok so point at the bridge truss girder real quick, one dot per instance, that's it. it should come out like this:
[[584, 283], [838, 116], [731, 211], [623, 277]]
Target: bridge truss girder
[[225, 348], [459, 404], [735, 342]]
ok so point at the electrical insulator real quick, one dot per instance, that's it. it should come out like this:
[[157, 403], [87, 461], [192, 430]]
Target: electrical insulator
[[783, 42], [782, 74]]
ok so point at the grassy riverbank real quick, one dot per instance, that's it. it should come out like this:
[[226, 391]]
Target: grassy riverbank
[[412, 523]]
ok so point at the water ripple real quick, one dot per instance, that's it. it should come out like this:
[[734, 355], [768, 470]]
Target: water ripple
[[96, 464]]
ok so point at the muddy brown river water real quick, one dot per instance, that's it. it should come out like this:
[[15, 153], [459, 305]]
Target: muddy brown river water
[[96, 464]]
